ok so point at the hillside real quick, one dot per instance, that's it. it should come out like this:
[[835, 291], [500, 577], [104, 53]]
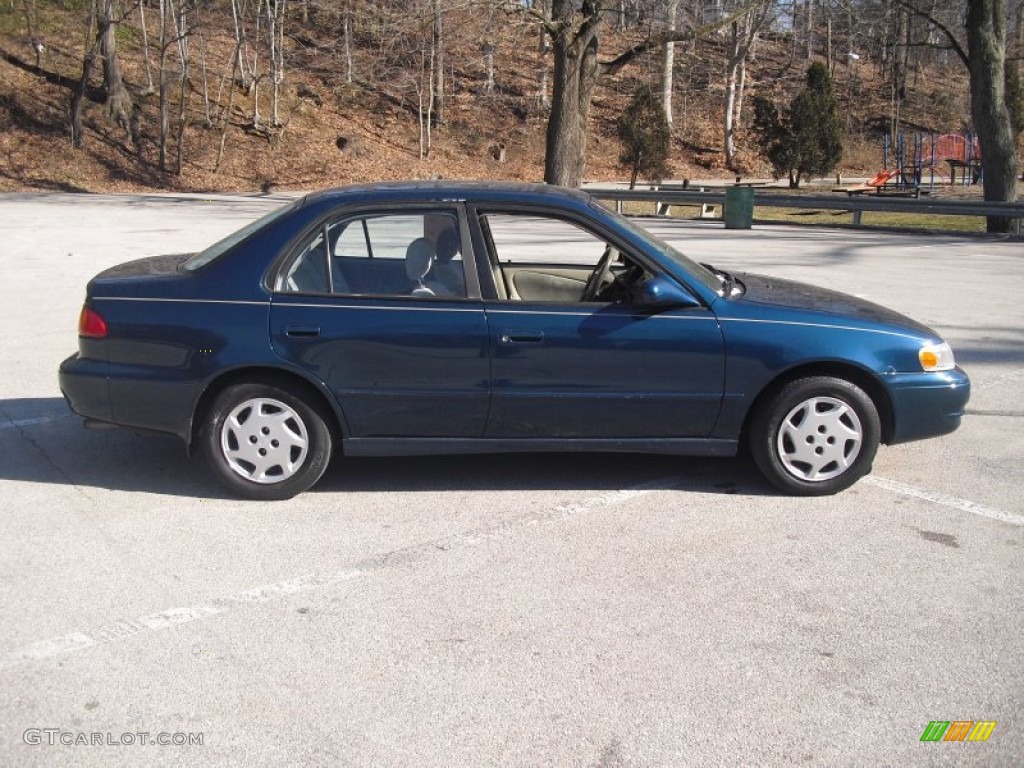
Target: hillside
[[334, 132]]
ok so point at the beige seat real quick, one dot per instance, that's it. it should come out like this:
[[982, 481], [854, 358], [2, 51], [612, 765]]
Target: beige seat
[[447, 273]]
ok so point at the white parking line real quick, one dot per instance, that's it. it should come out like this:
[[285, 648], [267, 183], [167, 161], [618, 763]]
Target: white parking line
[[954, 502], [77, 641], [170, 617], [14, 424]]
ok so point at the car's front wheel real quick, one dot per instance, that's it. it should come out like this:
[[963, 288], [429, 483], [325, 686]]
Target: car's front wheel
[[816, 436], [265, 442]]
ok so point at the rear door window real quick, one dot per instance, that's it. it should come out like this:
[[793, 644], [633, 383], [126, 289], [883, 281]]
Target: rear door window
[[382, 254]]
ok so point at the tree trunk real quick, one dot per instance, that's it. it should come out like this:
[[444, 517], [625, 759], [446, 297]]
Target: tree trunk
[[438, 63], [119, 101], [488, 66], [828, 45], [226, 117], [986, 44], [77, 137], [741, 90], [542, 64], [240, 46], [145, 52], [732, 66], [164, 129], [743, 34], [275, 38], [347, 36], [181, 32], [575, 45], [810, 30], [255, 72], [202, 65], [668, 60], [576, 70]]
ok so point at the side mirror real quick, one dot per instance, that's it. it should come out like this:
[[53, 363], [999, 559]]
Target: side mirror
[[660, 292]]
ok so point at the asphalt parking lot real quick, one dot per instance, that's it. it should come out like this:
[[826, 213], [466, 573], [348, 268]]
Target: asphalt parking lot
[[600, 610]]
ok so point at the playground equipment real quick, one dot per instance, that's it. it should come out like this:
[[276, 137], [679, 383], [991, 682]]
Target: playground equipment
[[927, 152], [876, 185]]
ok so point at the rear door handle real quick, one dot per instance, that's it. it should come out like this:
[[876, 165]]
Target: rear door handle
[[301, 331], [522, 337]]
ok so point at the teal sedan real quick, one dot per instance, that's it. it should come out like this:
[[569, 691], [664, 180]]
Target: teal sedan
[[439, 317]]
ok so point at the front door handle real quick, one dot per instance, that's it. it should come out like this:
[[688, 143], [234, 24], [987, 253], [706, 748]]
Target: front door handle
[[301, 331], [522, 337]]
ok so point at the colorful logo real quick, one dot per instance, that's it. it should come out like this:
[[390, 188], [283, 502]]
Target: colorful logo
[[958, 730]]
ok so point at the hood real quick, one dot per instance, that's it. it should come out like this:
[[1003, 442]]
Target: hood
[[789, 294]]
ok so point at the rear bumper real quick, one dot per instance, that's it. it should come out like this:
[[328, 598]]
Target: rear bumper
[[129, 396], [85, 384], [927, 404]]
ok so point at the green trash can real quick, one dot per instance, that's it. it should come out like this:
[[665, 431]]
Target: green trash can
[[739, 207]]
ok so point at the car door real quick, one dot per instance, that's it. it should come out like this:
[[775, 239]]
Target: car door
[[565, 368], [382, 307]]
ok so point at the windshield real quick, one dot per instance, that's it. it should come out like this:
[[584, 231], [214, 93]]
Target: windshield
[[699, 272], [221, 247]]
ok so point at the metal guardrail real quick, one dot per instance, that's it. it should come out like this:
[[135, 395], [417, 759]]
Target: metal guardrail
[[854, 204]]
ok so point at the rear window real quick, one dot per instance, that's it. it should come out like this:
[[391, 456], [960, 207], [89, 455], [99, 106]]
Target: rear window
[[221, 247]]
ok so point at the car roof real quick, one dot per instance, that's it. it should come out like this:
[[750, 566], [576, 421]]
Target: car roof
[[439, 189]]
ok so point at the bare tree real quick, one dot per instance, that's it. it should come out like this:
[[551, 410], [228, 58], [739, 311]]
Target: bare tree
[[346, 34], [181, 31], [574, 41], [207, 118], [437, 46], [809, 6], [542, 53], [741, 36], [407, 65], [668, 60], [78, 96], [424, 86], [150, 88], [275, 41], [986, 45], [249, 14], [119, 101], [985, 58], [226, 114], [487, 48], [166, 40]]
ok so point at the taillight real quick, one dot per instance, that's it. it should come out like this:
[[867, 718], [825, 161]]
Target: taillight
[[91, 324]]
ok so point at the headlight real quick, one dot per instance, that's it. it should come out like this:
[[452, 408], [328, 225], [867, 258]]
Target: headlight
[[936, 357]]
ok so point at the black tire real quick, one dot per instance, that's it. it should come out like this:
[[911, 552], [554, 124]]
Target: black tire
[[838, 429], [276, 445]]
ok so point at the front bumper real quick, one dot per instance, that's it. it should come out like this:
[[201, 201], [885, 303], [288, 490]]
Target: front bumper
[[927, 404]]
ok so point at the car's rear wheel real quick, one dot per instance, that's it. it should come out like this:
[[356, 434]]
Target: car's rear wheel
[[265, 442], [816, 436]]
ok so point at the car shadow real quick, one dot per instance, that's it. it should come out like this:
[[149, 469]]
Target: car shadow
[[593, 472], [43, 442], [47, 444]]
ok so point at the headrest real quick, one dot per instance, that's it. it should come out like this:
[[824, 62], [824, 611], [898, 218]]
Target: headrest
[[418, 258], [447, 246]]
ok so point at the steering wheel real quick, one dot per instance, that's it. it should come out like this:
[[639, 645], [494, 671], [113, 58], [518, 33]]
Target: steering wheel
[[599, 275]]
